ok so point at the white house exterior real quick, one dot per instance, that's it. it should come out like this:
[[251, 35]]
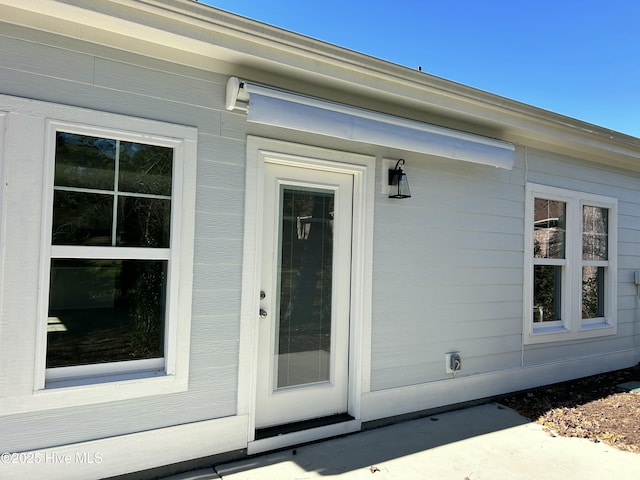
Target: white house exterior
[[200, 256]]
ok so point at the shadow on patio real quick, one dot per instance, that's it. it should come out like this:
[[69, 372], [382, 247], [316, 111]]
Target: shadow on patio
[[365, 453]]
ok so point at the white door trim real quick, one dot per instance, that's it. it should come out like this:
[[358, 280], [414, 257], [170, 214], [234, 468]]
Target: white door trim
[[362, 167]]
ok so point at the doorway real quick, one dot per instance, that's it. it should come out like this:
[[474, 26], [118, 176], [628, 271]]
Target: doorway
[[303, 337], [306, 292]]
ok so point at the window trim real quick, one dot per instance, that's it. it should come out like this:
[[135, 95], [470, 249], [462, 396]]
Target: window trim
[[169, 373], [573, 326]]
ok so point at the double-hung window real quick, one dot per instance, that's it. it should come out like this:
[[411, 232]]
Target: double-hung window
[[112, 242], [570, 272]]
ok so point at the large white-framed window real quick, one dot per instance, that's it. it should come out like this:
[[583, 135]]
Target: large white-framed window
[[570, 265], [116, 218], [89, 271]]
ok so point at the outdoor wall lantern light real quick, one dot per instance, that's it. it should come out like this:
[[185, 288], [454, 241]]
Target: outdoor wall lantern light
[[398, 183]]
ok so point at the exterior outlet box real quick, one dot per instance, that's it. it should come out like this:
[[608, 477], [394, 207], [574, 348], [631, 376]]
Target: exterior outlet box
[[452, 362]]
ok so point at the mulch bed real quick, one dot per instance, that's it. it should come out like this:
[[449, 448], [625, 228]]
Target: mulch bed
[[591, 407]]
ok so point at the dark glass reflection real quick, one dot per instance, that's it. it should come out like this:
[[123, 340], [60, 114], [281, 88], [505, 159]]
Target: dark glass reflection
[[593, 292], [547, 294], [595, 233], [105, 311], [549, 228], [86, 165], [145, 169], [143, 222], [84, 162], [82, 218], [306, 269]]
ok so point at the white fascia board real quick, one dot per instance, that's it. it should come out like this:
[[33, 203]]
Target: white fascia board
[[279, 108]]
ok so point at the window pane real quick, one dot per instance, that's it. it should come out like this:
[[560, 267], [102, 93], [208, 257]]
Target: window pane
[[592, 292], [145, 169], [143, 222], [547, 293], [549, 228], [305, 274], [85, 162], [595, 233], [82, 218], [105, 311]]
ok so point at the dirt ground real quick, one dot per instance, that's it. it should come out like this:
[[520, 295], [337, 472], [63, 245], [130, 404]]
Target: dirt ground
[[591, 407]]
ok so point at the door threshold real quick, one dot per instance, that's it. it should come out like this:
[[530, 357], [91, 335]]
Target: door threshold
[[268, 432], [310, 434]]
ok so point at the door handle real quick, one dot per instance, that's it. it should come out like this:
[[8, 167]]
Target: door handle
[[263, 313]]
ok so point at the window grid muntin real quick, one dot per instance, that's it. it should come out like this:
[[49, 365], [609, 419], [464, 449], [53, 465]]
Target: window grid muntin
[[574, 326], [114, 252], [561, 313], [593, 235], [116, 184], [120, 194], [116, 193], [604, 264], [550, 232]]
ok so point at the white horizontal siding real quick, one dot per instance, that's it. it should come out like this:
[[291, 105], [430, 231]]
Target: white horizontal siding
[[56, 90], [66, 65], [447, 269], [157, 84], [450, 260], [219, 225], [52, 428], [109, 80], [136, 452]]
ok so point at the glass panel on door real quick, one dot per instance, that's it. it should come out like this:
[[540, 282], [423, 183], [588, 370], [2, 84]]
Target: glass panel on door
[[304, 321]]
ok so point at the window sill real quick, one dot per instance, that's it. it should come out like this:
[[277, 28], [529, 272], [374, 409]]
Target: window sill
[[586, 327], [560, 334], [99, 380], [549, 330], [72, 393]]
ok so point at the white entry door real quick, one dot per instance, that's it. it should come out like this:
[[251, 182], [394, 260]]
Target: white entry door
[[303, 345]]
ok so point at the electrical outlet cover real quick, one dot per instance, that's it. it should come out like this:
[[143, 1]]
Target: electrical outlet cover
[[448, 361]]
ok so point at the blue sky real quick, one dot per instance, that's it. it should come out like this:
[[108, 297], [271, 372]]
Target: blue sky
[[576, 58]]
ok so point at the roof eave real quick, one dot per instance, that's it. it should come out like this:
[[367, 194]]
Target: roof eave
[[203, 33]]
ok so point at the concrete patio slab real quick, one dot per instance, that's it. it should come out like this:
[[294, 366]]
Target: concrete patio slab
[[483, 442]]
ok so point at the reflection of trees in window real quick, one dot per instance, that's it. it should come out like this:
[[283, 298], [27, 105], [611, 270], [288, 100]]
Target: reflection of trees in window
[[109, 193], [595, 230], [84, 162], [110, 311], [595, 240], [82, 218], [549, 239], [592, 292], [145, 169], [549, 228], [143, 222], [547, 296], [549, 243]]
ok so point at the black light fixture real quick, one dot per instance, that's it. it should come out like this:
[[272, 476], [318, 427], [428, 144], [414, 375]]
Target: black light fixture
[[398, 183]]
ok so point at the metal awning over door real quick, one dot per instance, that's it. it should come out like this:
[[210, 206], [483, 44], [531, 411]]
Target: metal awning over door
[[270, 106]]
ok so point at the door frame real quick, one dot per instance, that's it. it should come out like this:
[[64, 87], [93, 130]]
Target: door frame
[[362, 167]]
